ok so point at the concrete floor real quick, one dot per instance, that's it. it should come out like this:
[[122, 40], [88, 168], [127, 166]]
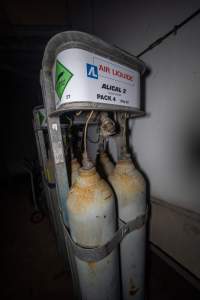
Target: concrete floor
[[32, 269]]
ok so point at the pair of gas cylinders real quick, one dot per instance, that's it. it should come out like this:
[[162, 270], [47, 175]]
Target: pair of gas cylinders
[[93, 213]]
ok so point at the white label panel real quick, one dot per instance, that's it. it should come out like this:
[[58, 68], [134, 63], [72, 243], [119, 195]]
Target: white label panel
[[81, 76]]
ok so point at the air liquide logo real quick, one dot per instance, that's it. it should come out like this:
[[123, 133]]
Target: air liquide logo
[[63, 76], [92, 71]]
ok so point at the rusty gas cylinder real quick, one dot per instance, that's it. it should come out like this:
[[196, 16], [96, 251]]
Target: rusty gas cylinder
[[130, 189], [106, 163], [92, 223]]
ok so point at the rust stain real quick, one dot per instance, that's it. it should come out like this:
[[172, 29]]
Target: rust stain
[[81, 196], [131, 183], [92, 265], [108, 197], [126, 173], [75, 164], [126, 180], [132, 288]]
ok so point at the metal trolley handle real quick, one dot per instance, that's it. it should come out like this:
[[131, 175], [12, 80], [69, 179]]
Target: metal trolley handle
[[98, 253]]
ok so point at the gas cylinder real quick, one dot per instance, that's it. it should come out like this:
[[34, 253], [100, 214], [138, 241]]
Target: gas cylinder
[[92, 223], [130, 189], [75, 166], [106, 163]]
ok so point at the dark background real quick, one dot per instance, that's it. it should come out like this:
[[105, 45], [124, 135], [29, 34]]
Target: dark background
[[25, 28]]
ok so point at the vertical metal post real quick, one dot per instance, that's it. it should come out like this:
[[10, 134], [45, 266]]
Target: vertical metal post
[[62, 184], [49, 195]]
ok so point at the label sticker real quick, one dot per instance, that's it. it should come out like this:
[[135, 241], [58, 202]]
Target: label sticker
[[95, 79], [55, 126], [63, 76], [58, 152], [41, 117]]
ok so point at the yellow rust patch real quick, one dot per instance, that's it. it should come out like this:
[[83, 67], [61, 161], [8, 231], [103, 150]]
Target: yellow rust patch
[[82, 198], [132, 184], [127, 177], [92, 265], [108, 197], [132, 288]]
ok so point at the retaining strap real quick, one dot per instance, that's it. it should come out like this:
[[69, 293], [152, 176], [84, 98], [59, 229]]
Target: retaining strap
[[98, 253]]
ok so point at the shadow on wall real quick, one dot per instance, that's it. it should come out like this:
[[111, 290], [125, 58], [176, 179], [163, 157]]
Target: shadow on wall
[[137, 165], [143, 88], [131, 128]]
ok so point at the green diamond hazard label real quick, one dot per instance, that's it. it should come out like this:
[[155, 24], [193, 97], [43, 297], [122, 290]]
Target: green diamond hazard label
[[63, 76], [41, 117]]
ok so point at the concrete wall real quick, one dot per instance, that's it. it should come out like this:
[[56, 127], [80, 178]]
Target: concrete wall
[[167, 141]]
